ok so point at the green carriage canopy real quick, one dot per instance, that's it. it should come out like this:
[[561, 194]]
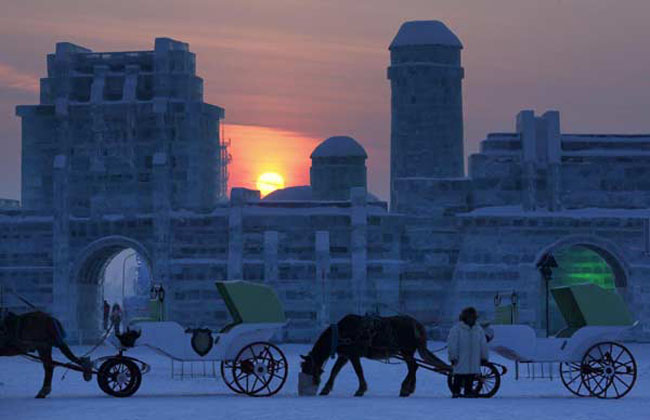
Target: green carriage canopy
[[588, 304], [251, 303]]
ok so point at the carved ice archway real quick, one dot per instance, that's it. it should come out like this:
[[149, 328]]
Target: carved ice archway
[[607, 250], [87, 271]]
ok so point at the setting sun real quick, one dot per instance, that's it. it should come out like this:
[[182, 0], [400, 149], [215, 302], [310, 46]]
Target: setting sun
[[269, 182]]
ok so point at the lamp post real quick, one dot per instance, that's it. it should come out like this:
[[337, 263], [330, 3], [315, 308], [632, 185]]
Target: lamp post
[[545, 267], [124, 272]]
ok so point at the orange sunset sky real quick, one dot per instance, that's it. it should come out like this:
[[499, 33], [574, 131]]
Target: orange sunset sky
[[293, 72]]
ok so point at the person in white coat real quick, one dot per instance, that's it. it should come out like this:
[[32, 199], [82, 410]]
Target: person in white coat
[[467, 347]]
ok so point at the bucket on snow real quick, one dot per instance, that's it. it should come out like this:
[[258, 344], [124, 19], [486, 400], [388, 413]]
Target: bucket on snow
[[306, 386]]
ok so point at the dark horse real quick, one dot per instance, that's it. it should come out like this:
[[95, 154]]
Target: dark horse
[[371, 337], [39, 332]]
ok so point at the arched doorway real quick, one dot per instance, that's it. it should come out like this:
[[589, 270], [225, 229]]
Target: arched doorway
[[115, 270], [575, 261]]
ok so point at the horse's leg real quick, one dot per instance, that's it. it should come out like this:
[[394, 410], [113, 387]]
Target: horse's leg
[[415, 369], [408, 385], [363, 386], [340, 362], [46, 357]]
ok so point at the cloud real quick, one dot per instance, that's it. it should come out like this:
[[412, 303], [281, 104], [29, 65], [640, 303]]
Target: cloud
[[13, 78]]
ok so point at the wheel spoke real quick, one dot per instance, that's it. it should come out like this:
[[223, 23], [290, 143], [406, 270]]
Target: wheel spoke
[[277, 376], [620, 354], [572, 380], [600, 382], [580, 387], [254, 382], [626, 385], [266, 350], [629, 362], [615, 387], [266, 385]]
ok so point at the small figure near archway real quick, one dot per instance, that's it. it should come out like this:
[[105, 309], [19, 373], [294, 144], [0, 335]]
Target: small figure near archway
[[116, 318]]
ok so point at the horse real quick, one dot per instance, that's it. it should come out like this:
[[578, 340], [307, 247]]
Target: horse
[[38, 332], [372, 337]]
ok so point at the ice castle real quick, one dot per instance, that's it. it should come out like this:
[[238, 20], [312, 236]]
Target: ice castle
[[123, 153]]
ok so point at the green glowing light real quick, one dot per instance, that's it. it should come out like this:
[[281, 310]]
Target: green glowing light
[[578, 264]]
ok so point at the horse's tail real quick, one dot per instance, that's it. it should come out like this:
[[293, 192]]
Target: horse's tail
[[424, 352], [59, 342]]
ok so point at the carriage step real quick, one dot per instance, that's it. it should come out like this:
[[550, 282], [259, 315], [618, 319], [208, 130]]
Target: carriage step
[[536, 370], [193, 369]]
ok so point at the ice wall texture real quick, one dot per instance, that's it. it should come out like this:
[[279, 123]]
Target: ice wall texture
[[538, 167], [426, 103], [109, 114]]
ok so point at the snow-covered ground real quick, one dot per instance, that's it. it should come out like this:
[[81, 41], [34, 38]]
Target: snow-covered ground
[[160, 397]]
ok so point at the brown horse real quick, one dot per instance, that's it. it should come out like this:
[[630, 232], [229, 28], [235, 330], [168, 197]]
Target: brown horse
[[38, 332], [371, 337]]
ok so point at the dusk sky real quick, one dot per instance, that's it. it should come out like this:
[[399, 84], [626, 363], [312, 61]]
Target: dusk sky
[[290, 73]]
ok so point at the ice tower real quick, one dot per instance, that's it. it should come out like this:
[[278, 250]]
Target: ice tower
[[426, 105]]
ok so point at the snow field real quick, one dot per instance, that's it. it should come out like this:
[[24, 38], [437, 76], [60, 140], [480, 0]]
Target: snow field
[[161, 397]]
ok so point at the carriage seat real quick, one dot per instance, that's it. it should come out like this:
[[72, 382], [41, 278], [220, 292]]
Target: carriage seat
[[168, 338], [514, 342]]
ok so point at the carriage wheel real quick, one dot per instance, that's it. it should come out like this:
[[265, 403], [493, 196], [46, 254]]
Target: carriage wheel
[[260, 369], [119, 377], [228, 375], [608, 370], [486, 384], [571, 375]]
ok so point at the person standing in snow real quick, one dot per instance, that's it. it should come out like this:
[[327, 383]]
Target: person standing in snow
[[467, 347], [116, 318]]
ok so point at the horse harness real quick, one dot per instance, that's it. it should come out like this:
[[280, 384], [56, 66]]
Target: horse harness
[[8, 328], [376, 334], [12, 333]]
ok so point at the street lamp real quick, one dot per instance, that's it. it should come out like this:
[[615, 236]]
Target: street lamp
[[545, 267], [124, 272]]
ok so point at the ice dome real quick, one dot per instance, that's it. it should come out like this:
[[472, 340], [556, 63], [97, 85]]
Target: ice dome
[[425, 32], [339, 146], [302, 193], [299, 193]]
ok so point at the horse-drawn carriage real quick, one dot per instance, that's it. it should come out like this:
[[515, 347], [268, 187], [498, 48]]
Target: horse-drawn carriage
[[591, 360], [250, 364]]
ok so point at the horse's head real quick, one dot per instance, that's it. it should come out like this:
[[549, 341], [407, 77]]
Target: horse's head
[[309, 376], [308, 366]]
